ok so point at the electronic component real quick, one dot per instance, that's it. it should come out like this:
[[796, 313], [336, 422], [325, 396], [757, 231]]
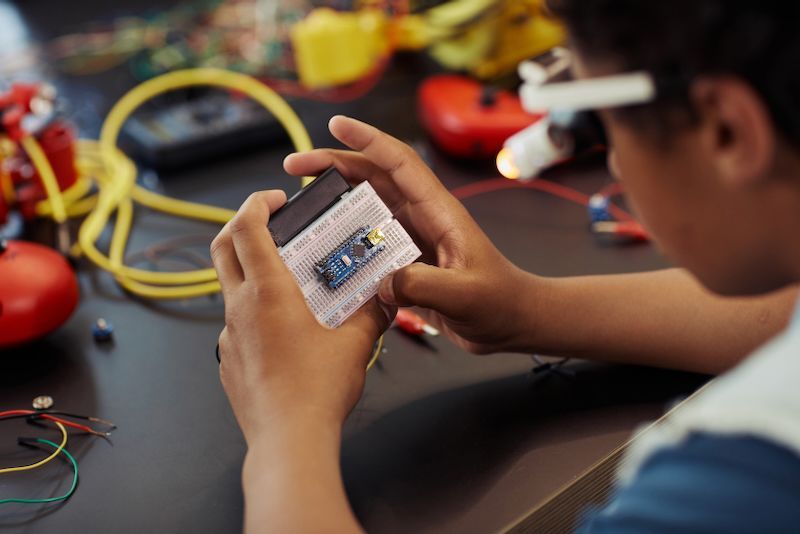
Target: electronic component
[[42, 402], [308, 204], [359, 218], [598, 208], [354, 253], [102, 330], [200, 128]]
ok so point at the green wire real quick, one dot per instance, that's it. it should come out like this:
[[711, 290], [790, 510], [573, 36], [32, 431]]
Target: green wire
[[64, 497]]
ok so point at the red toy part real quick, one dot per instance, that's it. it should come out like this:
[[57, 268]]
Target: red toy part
[[38, 292], [58, 144], [14, 105], [466, 119]]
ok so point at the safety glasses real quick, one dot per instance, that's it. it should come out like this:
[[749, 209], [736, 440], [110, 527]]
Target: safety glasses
[[547, 86]]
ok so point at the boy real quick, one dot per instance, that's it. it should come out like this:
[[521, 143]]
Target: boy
[[712, 168]]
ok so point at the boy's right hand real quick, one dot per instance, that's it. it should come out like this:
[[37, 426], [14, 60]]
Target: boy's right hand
[[474, 292]]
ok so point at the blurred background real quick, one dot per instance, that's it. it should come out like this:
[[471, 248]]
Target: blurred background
[[442, 440]]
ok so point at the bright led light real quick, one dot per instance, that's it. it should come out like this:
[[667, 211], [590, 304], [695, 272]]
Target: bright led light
[[506, 165]]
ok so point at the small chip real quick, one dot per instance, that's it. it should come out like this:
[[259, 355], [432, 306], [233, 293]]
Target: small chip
[[350, 256]]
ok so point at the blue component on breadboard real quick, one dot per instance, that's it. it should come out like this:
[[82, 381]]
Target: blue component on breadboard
[[353, 254]]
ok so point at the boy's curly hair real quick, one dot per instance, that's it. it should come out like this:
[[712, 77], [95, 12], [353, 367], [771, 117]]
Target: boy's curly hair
[[679, 40]]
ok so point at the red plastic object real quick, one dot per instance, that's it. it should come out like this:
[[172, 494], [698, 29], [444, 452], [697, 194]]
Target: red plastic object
[[38, 292], [411, 323], [58, 144], [466, 119], [14, 105]]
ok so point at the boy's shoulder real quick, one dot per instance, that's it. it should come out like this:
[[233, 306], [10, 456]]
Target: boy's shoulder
[[726, 460], [759, 398], [708, 483]]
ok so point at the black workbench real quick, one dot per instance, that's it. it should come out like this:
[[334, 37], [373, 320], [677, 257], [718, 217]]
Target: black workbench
[[441, 441]]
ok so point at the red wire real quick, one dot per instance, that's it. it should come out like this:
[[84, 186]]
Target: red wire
[[613, 188], [558, 190], [497, 184], [51, 418]]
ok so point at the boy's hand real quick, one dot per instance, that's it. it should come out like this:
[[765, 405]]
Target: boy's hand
[[277, 360], [471, 288]]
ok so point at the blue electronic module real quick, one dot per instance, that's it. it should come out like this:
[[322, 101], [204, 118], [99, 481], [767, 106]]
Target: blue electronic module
[[353, 254]]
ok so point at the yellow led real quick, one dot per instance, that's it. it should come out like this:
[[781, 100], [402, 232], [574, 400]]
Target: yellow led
[[506, 165]]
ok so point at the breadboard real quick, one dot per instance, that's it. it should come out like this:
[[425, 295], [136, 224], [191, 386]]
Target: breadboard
[[358, 208]]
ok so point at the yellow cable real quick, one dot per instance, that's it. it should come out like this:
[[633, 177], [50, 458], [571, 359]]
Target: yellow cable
[[103, 164], [41, 462], [376, 354], [70, 196], [48, 177]]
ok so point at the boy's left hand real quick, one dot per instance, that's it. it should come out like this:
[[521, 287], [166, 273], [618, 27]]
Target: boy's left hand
[[277, 360]]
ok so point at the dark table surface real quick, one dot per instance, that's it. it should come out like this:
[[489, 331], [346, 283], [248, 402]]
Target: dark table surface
[[441, 441]]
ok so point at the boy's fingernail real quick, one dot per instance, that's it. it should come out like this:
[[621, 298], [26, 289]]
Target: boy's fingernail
[[386, 291]]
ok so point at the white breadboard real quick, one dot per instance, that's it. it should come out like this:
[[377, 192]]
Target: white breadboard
[[358, 208]]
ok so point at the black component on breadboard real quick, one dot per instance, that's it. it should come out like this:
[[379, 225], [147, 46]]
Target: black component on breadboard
[[307, 205], [176, 133]]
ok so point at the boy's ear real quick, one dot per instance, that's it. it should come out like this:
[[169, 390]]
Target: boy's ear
[[737, 132]]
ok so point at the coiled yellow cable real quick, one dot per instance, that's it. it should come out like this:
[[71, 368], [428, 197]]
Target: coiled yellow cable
[[104, 165]]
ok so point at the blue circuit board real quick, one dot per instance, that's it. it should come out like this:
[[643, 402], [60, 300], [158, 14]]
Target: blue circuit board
[[351, 255]]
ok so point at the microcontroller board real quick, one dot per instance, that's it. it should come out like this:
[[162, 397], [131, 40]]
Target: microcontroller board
[[335, 275]]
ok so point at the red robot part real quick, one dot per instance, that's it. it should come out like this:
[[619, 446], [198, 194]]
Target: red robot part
[[467, 119], [38, 292], [58, 144], [29, 109], [22, 100]]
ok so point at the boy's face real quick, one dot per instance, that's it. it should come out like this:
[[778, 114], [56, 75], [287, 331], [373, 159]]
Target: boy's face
[[697, 219]]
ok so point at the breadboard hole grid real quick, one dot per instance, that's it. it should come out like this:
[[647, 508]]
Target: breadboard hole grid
[[358, 208]]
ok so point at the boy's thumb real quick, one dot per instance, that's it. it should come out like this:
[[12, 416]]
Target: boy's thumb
[[426, 286]]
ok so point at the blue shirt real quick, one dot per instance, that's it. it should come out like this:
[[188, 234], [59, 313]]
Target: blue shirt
[[708, 483]]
